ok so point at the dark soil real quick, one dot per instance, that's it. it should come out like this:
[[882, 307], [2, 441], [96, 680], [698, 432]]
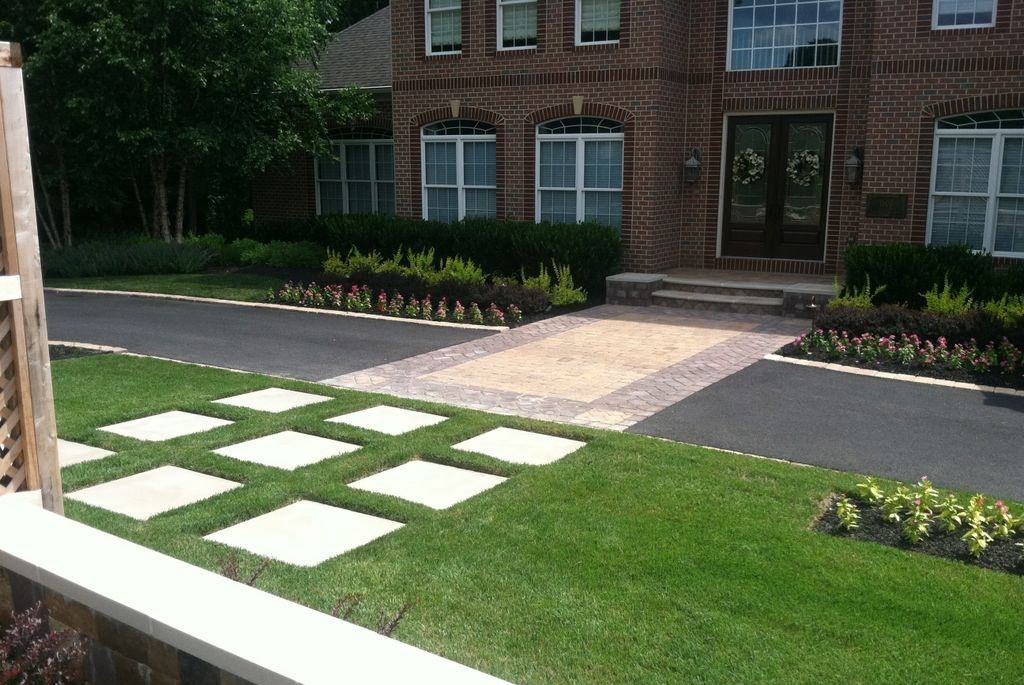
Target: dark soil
[[962, 375], [1001, 555], [67, 352]]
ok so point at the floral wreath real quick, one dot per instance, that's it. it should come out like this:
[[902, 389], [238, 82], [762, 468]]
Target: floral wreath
[[803, 167], [747, 167]]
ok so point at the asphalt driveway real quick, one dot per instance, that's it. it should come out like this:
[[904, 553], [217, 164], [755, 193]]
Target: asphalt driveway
[[958, 438], [302, 345]]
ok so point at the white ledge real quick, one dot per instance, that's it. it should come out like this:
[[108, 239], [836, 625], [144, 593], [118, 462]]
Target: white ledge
[[237, 628]]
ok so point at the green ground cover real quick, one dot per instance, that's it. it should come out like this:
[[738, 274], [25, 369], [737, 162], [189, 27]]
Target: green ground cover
[[633, 560], [245, 287]]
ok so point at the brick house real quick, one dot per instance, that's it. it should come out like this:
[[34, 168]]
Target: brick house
[[743, 134]]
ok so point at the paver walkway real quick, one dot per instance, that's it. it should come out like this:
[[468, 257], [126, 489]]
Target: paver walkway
[[606, 367]]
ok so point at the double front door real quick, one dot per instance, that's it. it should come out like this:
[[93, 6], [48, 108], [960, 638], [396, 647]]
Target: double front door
[[776, 186]]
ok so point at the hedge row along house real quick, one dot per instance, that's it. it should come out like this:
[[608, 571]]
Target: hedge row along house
[[760, 135]]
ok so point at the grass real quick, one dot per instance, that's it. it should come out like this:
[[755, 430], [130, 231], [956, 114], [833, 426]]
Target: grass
[[633, 560], [245, 287]]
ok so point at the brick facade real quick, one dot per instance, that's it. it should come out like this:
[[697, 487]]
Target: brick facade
[[667, 81]]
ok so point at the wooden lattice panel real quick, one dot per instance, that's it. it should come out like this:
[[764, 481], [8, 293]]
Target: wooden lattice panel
[[14, 472]]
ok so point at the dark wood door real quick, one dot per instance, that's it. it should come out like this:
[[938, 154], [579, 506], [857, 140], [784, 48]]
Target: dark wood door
[[776, 186]]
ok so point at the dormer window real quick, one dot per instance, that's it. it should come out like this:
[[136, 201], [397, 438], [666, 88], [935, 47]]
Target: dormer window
[[444, 27], [780, 34], [964, 14], [597, 21], [517, 24]]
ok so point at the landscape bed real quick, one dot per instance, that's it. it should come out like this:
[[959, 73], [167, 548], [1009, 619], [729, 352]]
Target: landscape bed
[[632, 560]]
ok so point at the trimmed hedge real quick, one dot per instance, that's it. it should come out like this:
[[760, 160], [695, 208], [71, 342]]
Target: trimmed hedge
[[503, 248], [897, 320], [125, 259], [907, 271]]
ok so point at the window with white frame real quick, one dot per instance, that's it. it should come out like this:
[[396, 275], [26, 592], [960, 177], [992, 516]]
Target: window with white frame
[[459, 170], [444, 26], [598, 21], [358, 177], [960, 14], [579, 171], [517, 24], [780, 34], [977, 194]]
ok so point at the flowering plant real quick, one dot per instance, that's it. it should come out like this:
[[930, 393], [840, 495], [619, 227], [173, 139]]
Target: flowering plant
[[747, 166], [803, 167]]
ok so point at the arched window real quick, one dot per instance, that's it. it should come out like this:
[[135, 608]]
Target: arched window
[[579, 171], [459, 171], [977, 188], [358, 177]]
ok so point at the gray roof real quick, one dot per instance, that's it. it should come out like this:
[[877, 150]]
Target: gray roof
[[360, 55]]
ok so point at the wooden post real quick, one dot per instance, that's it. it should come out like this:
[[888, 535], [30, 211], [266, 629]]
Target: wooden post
[[20, 245]]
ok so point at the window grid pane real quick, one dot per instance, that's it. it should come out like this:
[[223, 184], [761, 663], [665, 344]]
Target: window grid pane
[[386, 198], [599, 20], [518, 23], [959, 221], [558, 206], [779, 34], [478, 164], [603, 207], [964, 12], [963, 165], [357, 162], [331, 197], [385, 160], [445, 17], [558, 164], [441, 164], [360, 197], [602, 165], [353, 172], [443, 204], [480, 203]]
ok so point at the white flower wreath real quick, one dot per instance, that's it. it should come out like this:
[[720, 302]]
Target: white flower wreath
[[803, 167], [747, 167]]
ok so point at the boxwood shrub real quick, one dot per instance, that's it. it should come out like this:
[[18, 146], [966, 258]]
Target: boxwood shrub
[[500, 247], [125, 259]]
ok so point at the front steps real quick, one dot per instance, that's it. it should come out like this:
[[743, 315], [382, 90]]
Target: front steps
[[744, 293]]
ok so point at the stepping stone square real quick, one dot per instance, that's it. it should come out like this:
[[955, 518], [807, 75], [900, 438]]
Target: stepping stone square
[[170, 424], [149, 493], [287, 450], [389, 420], [520, 447], [274, 400], [434, 485], [71, 453], [305, 533]]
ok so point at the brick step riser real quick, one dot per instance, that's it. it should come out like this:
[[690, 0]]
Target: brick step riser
[[733, 307], [718, 290]]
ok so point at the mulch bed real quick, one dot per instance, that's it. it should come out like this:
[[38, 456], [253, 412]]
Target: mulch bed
[[1001, 555], [997, 380], [67, 352]]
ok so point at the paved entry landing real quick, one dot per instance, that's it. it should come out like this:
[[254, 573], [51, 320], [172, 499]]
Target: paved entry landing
[[606, 367]]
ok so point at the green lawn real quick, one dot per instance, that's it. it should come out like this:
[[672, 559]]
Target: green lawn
[[633, 560], [247, 287]]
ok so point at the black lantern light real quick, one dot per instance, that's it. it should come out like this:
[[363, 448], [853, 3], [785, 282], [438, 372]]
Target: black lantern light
[[855, 166], [691, 167]]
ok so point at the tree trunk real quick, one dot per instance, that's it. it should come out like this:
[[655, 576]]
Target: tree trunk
[[179, 210], [141, 206], [158, 169], [46, 219], [65, 198]]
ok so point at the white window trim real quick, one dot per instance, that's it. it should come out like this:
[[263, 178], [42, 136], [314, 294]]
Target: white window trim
[[998, 136], [460, 172], [428, 45], [581, 139], [579, 28], [344, 180], [953, 27], [499, 38], [839, 47]]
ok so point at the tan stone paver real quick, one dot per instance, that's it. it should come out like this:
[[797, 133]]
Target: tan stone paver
[[607, 367]]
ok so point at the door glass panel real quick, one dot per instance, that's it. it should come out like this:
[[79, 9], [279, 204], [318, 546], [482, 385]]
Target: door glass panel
[[805, 174], [748, 204]]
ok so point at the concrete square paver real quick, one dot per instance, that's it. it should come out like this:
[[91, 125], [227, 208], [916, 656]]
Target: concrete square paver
[[434, 485], [71, 453], [274, 400], [389, 420], [287, 450], [520, 447], [149, 493], [305, 533], [165, 426]]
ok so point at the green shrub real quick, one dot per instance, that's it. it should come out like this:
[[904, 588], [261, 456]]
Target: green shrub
[[565, 292], [295, 255], [910, 270], [897, 320], [854, 298], [461, 271], [948, 301], [125, 259], [214, 243], [1008, 310], [498, 247], [541, 281]]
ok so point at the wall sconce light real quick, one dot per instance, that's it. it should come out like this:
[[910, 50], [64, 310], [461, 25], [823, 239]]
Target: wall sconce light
[[691, 167], [855, 166]]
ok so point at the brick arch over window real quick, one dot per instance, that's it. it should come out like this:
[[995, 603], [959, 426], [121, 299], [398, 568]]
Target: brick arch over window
[[926, 142], [590, 109], [440, 114]]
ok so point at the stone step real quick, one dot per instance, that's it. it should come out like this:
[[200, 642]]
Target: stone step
[[715, 286], [717, 302]]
